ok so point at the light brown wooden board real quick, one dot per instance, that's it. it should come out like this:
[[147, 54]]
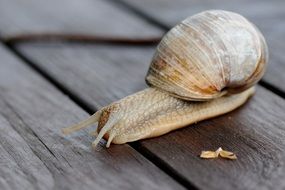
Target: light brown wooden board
[[35, 155], [70, 16], [255, 132], [269, 16]]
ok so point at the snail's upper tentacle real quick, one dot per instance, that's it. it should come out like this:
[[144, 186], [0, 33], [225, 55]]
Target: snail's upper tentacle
[[85, 123]]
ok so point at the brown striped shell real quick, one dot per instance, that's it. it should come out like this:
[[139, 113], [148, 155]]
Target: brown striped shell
[[208, 55]]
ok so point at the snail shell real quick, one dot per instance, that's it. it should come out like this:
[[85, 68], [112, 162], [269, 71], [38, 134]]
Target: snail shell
[[209, 55]]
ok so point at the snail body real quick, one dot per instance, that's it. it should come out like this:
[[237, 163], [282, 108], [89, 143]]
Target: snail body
[[205, 66]]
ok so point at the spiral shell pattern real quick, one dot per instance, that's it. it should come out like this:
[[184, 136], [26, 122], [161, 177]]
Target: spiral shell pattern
[[208, 55]]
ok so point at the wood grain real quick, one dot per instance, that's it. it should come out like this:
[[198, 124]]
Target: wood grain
[[269, 16], [255, 132], [35, 155], [95, 73], [96, 17]]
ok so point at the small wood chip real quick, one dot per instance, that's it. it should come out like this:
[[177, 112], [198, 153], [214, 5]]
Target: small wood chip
[[228, 155], [219, 152], [208, 154]]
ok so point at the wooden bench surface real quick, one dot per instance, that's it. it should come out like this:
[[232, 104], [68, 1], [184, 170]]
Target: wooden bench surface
[[46, 85]]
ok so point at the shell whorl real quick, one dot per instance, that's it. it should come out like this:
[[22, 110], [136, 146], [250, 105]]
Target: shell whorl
[[208, 55]]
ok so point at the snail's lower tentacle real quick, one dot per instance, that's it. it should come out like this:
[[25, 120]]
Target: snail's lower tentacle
[[108, 126], [110, 139]]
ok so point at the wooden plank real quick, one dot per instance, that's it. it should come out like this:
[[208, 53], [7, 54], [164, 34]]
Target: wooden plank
[[35, 155], [170, 13], [269, 16], [80, 68], [256, 132], [70, 16]]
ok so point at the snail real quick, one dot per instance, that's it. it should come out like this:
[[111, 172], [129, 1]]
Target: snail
[[205, 66]]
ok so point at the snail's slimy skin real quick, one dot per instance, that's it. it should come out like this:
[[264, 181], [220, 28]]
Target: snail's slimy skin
[[151, 113]]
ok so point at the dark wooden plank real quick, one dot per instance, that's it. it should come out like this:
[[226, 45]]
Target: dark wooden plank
[[171, 12], [35, 155], [269, 16], [256, 132], [70, 16]]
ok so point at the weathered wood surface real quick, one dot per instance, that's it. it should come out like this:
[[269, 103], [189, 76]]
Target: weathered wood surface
[[269, 16], [256, 132], [70, 16], [98, 74], [35, 155]]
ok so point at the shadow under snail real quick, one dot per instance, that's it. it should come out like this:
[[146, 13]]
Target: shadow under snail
[[204, 67]]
